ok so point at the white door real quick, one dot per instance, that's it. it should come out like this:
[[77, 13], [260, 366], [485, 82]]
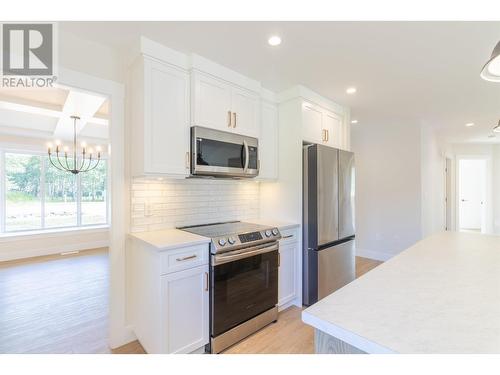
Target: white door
[[268, 142], [312, 123], [211, 102], [185, 310], [471, 193], [286, 289], [332, 124], [245, 112], [166, 117]]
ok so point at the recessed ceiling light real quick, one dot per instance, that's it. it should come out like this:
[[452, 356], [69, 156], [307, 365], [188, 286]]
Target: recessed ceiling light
[[354, 121], [275, 40], [469, 124], [351, 90]]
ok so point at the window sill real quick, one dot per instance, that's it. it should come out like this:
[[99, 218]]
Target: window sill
[[33, 234]]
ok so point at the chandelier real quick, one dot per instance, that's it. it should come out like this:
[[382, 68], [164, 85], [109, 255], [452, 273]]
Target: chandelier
[[75, 163]]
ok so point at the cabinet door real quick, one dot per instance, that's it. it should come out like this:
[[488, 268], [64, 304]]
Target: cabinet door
[[166, 118], [332, 124], [287, 289], [245, 108], [185, 310], [211, 102], [268, 142], [311, 123]]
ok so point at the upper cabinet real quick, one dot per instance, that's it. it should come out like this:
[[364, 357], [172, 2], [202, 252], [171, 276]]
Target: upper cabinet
[[159, 113], [221, 105], [268, 142], [322, 126]]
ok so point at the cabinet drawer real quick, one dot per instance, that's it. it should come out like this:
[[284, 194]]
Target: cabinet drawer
[[289, 235], [184, 258]]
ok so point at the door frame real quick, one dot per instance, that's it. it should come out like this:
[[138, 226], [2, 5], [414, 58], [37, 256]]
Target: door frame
[[119, 333], [487, 226]]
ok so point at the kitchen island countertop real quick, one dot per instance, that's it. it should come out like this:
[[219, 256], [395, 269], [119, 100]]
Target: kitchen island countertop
[[441, 295]]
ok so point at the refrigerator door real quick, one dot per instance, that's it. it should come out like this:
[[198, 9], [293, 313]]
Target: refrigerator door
[[327, 192], [346, 194], [336, 267]]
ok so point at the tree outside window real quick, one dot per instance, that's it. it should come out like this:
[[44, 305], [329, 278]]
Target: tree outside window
[[39, 196]]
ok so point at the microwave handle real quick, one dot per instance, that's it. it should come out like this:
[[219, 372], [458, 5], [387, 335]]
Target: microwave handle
[[247, 156]]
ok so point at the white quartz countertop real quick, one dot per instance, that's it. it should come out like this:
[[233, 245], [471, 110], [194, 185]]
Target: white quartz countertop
[[275, 223], [169, 238], [441, 295]]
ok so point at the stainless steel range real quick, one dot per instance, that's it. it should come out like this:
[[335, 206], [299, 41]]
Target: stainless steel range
[[244, 265]]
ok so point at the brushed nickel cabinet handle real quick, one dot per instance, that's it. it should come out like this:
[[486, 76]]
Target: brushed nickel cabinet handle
[[187, 159], [229, 122], [186, 258], [289, 236], [327, 135], [279, 259], [323, 135], [234, 119], [206, 281]]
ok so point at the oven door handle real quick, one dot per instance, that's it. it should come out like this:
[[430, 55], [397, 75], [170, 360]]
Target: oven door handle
[[262, 249]]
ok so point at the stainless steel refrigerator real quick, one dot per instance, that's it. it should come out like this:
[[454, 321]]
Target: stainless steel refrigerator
[[328, 221]]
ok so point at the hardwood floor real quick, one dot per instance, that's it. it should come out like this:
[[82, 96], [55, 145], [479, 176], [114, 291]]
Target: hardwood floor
[[59, 304], [56, 304]]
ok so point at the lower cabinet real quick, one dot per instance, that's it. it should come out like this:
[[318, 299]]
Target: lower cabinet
[[185, 309], [168, 297], [287, 290]]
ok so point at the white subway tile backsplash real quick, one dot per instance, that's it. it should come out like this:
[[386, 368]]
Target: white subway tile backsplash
[[171, 203]]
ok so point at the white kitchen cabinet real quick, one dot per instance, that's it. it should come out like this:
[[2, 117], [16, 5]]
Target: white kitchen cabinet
[[322, 126], [185, 309], [289, 251], [168, 297], [268, 142], [212, 102], [245, 112], [159, 114], [332, 129], [312, 123], [218, 104]]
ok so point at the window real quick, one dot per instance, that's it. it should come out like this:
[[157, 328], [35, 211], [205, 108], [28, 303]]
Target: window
[[39, 196]]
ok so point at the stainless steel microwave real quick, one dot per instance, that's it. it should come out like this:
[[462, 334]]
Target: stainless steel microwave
[[222, 154]]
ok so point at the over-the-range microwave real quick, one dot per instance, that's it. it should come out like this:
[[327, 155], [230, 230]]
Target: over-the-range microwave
[[218, 153]]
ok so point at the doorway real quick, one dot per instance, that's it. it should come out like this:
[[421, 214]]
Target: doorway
[[472, 195]]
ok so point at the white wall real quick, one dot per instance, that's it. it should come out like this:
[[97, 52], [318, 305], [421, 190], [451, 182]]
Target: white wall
[[388, 188], [25, 246], [433, 182], [91, 58]]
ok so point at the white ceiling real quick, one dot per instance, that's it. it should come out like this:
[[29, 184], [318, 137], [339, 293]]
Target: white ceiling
[[44, 113], [407, 73]]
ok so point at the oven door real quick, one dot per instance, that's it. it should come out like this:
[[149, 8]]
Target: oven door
[[243, 285], [218, 153]]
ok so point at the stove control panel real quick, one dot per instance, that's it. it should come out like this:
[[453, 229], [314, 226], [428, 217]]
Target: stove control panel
[[250, 237], [238, 241]]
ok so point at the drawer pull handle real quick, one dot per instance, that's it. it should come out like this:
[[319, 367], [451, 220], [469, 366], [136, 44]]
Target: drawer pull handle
[[289, 236], [186, 258], [206, 281]]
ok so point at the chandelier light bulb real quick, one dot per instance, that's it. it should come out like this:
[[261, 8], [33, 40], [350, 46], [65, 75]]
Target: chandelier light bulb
[[57, 142], [66, 148]]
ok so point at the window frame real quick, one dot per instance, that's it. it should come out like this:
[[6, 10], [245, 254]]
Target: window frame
[[43, 167]]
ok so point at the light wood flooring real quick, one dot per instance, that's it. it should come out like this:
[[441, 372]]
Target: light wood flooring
[[59, 304]]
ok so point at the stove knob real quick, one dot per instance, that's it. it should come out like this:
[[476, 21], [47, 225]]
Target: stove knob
[[231, 240], [275, 232], [222, 242], [268, 233]]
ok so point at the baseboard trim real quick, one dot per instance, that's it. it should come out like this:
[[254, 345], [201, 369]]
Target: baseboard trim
[[63, 248], [376, 255]]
